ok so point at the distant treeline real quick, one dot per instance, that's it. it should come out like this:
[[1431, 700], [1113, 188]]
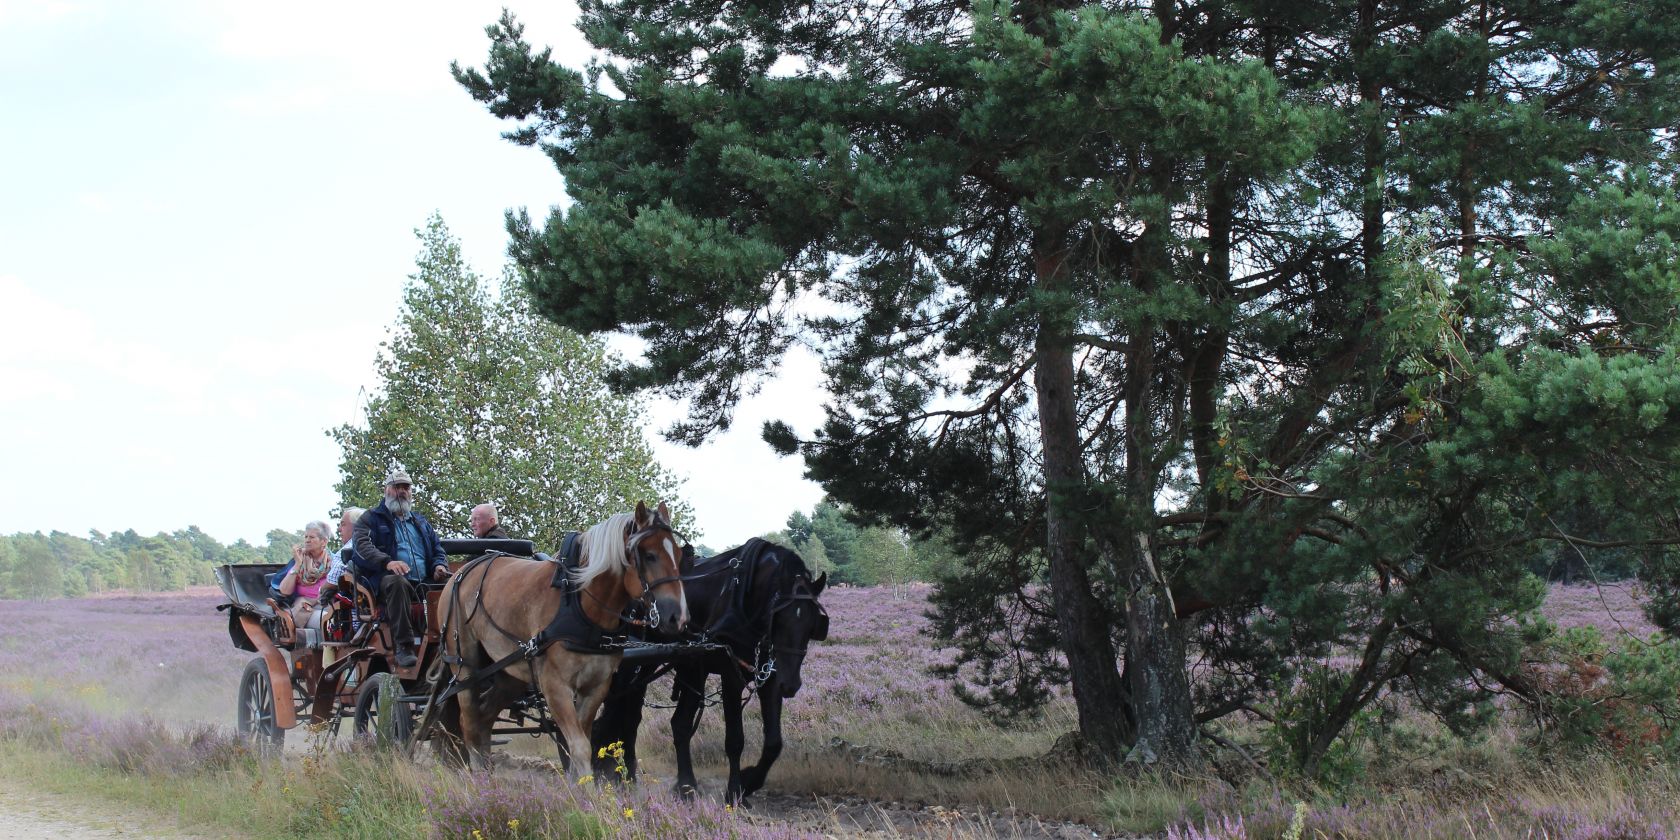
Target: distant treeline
[[862, 555], [60, 565]]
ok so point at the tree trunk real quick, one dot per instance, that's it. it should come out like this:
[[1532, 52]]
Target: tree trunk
[[1155, 662], [1155, 637], [1098, 691]]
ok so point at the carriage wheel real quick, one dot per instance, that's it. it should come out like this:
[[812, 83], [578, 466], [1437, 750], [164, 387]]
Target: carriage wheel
[[367, 710], [256, 709]]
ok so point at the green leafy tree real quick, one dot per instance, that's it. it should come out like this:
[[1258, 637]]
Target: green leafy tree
[[280, 543], [1280, 329], [8, 569], [242, 551], [482, 401], [883, 556], [78, 563], [36, 573], [828, 525], [210, 550], [59, 565], [810, 550]]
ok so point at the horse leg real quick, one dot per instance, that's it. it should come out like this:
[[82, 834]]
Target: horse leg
[[475, 730], [770, 708], [450, 745], [632, 710], [589, 699], [689, 690], [562, 707], [480, 707], [734, 737], [619, 721]]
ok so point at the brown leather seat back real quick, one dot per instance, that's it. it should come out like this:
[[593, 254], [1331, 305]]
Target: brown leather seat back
[[367, 606], [285, 629]]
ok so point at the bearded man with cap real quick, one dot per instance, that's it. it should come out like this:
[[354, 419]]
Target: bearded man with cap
[[396, 550]]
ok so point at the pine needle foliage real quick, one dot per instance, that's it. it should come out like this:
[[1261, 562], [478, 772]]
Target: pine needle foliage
[[1253, 338]]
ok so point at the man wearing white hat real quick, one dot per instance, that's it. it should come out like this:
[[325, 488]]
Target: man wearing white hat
[[396, 550]]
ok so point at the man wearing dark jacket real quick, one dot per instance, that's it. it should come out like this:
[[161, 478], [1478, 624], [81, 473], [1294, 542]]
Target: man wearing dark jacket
[[485, 524], [396, 550]]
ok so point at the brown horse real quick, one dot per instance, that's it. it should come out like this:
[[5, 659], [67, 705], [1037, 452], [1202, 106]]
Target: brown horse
[[497, 606]]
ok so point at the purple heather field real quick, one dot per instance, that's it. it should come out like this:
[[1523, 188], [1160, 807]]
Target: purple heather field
[[168, 656]]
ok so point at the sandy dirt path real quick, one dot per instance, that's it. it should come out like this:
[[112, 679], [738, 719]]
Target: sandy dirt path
[[33, 814]]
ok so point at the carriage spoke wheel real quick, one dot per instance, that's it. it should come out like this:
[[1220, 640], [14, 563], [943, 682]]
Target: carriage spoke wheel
[[256, 709], [369, 709]]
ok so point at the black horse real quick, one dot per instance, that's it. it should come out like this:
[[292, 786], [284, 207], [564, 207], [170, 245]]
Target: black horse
[[759, 602]]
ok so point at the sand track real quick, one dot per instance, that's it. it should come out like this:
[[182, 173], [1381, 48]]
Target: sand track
[[37, 814]]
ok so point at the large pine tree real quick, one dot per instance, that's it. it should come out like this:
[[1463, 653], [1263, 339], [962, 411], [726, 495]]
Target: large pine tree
[[1269, 329]]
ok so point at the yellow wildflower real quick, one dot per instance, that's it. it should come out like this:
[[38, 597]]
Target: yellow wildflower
[[629, 813]]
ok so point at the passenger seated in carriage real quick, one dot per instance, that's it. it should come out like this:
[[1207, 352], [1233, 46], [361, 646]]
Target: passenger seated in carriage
[[347, 536], [397, 552], [308, 580], [485, 523]]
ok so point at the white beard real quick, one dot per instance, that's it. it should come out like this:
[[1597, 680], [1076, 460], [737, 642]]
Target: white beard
[[400, 508]]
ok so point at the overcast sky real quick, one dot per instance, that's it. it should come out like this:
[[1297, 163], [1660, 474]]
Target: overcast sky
[[206, 218]]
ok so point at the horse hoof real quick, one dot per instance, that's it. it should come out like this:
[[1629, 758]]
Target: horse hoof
[[685, 792]]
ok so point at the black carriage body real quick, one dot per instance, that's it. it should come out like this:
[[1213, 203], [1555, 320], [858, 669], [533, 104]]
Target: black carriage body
[[246, 589]]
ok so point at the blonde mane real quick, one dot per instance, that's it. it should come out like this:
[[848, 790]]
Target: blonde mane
[[603, 548]]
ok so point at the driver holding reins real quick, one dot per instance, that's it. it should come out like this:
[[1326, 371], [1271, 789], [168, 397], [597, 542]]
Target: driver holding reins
[[395, 551]]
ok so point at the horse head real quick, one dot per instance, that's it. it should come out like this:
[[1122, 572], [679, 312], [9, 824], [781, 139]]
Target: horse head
[[797, 619], [651, 549]]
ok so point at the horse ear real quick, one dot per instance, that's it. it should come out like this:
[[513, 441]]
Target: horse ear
[[664, 513], [643, 518], [819, 583]]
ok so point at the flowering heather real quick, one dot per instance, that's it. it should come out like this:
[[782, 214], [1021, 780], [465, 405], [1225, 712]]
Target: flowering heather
[[1507, 818], [166, 655], [874, 663], [128, 745], [1613, 608], [504, 807], [90, 678]]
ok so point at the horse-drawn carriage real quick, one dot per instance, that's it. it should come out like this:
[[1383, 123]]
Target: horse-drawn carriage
[[517, 642], [301, 677]]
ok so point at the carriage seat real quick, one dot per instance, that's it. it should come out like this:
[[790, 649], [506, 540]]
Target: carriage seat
[[366, 606], [285, 627]]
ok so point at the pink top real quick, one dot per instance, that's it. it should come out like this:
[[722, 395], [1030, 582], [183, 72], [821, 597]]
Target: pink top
[[311, 590]]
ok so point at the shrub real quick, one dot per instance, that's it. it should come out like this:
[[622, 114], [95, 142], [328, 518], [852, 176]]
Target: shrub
[[1624, 698]]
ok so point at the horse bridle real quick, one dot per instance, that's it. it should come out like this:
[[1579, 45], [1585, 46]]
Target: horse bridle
[[646, 601], [801, 592]]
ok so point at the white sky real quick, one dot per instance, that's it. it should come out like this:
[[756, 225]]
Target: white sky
[[206, 217]]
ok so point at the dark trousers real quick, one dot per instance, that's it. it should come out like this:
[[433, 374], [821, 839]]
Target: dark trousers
[[396, 596]]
